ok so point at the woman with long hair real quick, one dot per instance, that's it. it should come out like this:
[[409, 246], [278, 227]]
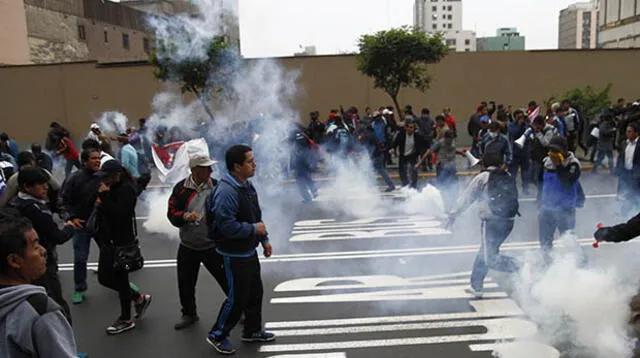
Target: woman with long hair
[[117, 196]]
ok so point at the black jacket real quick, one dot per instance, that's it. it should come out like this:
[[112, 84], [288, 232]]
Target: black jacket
[[116, 214], [621, 232], [78, 195], [635, 172], [40, 215], [420, 143]]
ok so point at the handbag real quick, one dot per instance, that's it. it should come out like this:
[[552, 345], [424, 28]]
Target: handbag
[[128, 257], [91, 225]]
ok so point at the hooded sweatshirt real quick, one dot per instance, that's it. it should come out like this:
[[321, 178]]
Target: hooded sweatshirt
[[32, 325]]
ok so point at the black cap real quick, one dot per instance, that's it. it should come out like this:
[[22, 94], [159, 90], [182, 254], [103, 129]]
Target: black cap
[[109, 167], [558, 143]]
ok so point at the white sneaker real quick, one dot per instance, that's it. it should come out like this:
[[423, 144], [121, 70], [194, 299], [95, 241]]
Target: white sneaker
[[474, 293]]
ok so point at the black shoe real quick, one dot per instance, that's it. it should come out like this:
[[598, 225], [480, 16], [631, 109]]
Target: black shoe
[[141, 307], [186, 321], [260, 336], [390, 189], [120, 326]]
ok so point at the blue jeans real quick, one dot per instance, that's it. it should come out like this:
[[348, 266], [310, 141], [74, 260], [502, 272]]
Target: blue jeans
[[407, 163], [447, 183], [601, 155], [304, 167], [378, 165], [549, 220], [494, 233], [81, 246]]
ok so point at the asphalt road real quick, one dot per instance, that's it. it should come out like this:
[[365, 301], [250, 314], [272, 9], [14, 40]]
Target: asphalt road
[[383, 285]]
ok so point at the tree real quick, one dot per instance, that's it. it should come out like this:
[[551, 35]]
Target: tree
[[588, 100], [398, 58], [203, 77]]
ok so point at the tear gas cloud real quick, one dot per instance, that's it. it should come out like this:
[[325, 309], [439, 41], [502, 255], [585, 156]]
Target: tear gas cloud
[[112, 122], [561, 298], [581, 306]]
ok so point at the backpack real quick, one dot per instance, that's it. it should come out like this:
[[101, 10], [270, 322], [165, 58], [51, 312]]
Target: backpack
[[503, 194], [495, 146]]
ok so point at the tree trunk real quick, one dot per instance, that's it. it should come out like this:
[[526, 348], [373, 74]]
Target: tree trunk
[[398, 115], [203, 101]]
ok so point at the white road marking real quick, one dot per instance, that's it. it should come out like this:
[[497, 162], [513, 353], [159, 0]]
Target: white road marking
[[367, 254], [427, 293], [511, 328], [394, 327], [516, 349], [317, 355], [484, 309]]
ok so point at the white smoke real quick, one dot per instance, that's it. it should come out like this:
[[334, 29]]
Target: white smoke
[[112, 122], [157, 204], [191, 33], [581, 306]]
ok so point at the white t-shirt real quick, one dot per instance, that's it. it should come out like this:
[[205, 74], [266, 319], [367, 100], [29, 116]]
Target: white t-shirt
[[628, 154], [409, 145]]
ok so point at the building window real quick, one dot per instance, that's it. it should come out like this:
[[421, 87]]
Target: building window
[[444, 16], [106, 36], [435, 16], [467, 50], [451, 42], [434, 9], [444, 7], [467, 42], [450, 8], [125, 41], [145, 45], [435, 26], [449, 17], [444, 26], [82, 34], [449, 26]]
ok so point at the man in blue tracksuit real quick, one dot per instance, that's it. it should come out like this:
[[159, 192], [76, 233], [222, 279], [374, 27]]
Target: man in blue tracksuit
[[561, 192], [235, 223]]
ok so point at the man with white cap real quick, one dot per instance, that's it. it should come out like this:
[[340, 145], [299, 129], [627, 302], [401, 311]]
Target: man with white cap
[[186, 211], [94, 133]]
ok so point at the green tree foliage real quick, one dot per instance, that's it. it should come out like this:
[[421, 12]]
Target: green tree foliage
[[398, 58], [588, 100], [203, 77]]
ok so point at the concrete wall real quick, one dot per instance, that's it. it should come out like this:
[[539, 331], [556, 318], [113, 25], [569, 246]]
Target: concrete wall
[[14, 48], [73, 94]]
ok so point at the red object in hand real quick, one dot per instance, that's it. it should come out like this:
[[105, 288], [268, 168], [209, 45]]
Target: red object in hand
[[597, 243]]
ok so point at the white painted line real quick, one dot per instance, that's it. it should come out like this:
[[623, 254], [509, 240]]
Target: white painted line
[[368, 254], [516, 349], [484, 309], [405, 283], [318, 355], [390, 327], [428, 293], [502, 329]]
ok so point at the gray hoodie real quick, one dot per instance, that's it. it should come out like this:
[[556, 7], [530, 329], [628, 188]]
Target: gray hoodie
[[25, 332]]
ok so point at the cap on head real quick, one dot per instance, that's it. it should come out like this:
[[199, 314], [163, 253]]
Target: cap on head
[[559, 144], [200, 160], [94, 126], [109, 167]]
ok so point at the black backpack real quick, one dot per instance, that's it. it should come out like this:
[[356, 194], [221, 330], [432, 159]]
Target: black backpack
[[503, 194]]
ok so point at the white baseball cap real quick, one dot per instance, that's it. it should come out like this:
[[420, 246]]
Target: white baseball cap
[[94, 126]]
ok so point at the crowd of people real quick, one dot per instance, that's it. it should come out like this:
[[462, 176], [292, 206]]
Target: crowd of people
[[220, 226], [220, 221]]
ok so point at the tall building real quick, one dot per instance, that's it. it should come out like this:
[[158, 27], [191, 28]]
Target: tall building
[[619, 23], [506, 39], [444, 16], [578, 26]]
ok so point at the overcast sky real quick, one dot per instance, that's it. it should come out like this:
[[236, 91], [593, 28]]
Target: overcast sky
[[280, 27]]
